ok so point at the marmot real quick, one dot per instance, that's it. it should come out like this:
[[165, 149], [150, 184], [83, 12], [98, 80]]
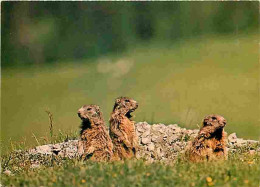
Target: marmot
[[210, 143], [122, 129], [94, 142]]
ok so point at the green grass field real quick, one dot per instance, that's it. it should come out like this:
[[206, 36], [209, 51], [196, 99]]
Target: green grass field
[[239, 170], [180, 84]]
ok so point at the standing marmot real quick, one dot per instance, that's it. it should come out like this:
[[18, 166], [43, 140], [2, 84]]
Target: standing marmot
[[122, 128], [211, 140], [95, 142]]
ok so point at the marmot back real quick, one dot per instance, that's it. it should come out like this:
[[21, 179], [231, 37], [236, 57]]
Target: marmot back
[[122, 129], [210, 143], [95, 142]]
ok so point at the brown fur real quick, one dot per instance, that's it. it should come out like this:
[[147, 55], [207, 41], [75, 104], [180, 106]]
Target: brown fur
[[95, 142], [210, 144], [122, 129]]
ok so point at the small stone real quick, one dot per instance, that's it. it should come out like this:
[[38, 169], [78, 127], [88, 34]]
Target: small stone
[[151, 147], [158, 128], [177, 148], [138, 133], [173, 126], [44, 149], [146, 133], [177, 130], [251, 141], [142, 126], [146, 140], [8, 172], [35, 165], [158, 151], [56, 149], [240, 142], [252, 152], [157, 138], [189, 132], [172, 138], [232, 137], [196, 131]]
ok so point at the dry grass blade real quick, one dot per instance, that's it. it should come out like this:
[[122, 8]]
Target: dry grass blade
[[50, 122]]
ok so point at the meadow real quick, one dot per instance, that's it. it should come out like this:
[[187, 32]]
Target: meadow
[[179, 83]]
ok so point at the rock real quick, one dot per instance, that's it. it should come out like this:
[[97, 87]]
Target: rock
[[232, 137]]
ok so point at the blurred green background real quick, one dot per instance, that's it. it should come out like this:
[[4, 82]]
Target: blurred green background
[[179, 60]]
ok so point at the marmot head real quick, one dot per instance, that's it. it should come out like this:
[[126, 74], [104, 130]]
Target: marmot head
[[90, 112], [125, 105], [212, 126], [215, 121]]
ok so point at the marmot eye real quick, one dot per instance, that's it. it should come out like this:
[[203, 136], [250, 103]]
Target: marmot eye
[[88, 109], [127, 101]]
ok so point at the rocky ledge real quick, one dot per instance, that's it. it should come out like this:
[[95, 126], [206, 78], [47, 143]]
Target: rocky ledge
[[158, 142]]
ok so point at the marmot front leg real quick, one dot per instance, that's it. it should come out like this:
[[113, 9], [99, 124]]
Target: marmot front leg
[[88, 150], [120, 136]]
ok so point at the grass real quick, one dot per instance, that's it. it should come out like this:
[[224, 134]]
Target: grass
[[241, 169]]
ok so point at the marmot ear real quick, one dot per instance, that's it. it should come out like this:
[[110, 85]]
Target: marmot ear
[[205, 121], [117, 100], [115, 106]]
